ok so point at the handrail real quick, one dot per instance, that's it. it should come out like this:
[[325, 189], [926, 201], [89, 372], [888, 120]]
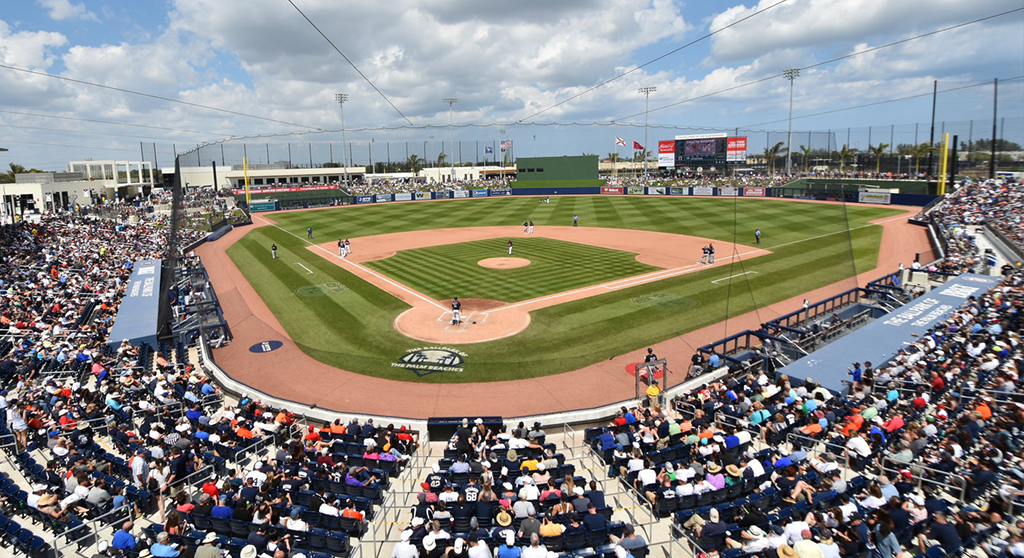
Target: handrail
[[914, 468], [94, 526], [569, 433]]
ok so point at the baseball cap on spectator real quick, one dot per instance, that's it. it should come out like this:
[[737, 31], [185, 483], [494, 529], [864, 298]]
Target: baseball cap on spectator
[[406, 535], [713, 515], [578, 490], [460, 545]]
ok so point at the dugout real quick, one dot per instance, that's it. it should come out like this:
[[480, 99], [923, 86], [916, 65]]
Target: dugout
[[576, 167]]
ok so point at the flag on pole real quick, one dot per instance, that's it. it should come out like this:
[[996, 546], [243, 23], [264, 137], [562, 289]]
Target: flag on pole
[[620, 141], [637, 146], [488, 149], [506, 145]]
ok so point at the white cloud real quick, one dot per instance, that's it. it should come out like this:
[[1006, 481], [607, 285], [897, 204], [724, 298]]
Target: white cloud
[[64, 9]]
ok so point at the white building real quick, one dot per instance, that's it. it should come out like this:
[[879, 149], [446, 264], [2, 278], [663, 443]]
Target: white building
[[85, 183]]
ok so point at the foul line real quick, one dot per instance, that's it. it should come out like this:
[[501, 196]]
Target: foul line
[[737, 275], [304, 267], [357, 266]]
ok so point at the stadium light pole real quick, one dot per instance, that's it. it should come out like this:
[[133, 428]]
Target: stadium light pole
[[790, 74], [341, 98], [647, 104], [451, 129]]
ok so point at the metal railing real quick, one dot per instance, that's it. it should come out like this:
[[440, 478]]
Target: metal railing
[[92, 529], [960, 492], [569, 434]]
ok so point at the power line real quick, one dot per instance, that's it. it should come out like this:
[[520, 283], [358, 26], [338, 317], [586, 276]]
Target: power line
[[151, 96], [844, 57], [350, 63], [133, 150], [876, 103], [649, 62], [76, 119], [85, 133]]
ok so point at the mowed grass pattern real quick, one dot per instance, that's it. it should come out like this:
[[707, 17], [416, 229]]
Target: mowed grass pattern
[[555, 266], [812, 245]]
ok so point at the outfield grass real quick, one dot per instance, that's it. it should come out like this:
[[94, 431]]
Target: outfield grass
[[555, 266], [813, 245]]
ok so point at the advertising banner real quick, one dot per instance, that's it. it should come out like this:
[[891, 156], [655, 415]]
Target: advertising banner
[[257, 190], [736, 150], [713, 135], [460, 193], [423, 195], [703, 191], [875, 197], [501, 191], [442, 195], [666, 154], [611, 189], [655, 190], [403, 196], [364, 199], [635, 190], [679, 191], [479, 193], [728, 191], [382, 197], [758, 192]]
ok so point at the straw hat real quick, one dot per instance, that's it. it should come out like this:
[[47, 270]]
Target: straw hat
[[248, 551], [786, 551], [47, 500], [733, 470], [714, 468], [503, 518]]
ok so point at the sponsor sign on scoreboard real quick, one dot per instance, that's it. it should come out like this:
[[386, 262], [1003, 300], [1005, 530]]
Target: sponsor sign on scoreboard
[[611, 189], [757, 192], [736, 150], [666, 154]]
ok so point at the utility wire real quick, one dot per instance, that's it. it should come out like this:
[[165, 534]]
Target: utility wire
[[876, 103], [87, 133], [350, 63], [151, 96], [837, 59], [649, 62], [76, 119]]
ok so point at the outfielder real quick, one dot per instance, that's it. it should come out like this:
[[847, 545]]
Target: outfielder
[[509, 247], [456, 311], [273, 250]]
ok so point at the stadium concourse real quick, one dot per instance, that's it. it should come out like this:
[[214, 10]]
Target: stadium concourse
[[115, 450]]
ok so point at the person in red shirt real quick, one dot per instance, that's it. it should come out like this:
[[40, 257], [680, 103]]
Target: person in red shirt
[[210, 487], [313, 434], [937, 382]]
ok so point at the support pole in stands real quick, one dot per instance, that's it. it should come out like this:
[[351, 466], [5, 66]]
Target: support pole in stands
[[931, 134], [995, 113], [176, 198], [214, 165]]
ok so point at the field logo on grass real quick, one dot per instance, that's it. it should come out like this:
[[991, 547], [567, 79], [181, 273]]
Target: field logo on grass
[[311, 291], [428, 360]]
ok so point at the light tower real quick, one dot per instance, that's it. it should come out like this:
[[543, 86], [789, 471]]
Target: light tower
[[341, 98], [647, 103], [790, 74], [451, 129]]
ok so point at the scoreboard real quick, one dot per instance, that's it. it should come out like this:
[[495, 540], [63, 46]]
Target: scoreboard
[[701, 150], [711, 150]]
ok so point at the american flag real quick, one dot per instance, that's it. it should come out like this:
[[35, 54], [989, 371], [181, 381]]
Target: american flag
[[506, 145]]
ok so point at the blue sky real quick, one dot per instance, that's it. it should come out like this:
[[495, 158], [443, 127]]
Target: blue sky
[[505, 63]]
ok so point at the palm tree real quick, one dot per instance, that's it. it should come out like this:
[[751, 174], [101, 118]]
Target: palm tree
[[415, 163], [772, 153], [441, 158], [844, 154], [8, 177], [613, 158], [878, 151], [805, 152]]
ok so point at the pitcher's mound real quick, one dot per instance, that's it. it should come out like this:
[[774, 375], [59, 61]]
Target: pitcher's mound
[[503, 263]]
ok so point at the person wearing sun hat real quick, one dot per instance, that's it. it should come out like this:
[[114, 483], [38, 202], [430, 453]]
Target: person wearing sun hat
[[208, 548], [405, 549], [752, 540]]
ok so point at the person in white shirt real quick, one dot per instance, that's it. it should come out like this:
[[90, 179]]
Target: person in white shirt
[[329, 508], [529, 491]]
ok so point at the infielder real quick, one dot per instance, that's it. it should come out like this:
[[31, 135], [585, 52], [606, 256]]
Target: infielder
[[341, 247], [456, 311], [526, 227], [711, 253], [703, 255], [757, 236], [509, 247], [575, 220], [348, 248], [309, 233], [531, 228]]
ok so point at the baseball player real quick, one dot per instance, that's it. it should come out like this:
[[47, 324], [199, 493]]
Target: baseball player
[[575, 220], [348, 248], [273, 250], [526, 227], [309, 233], [531, 228], [703, 255], [711, 253], [757, 235], [456, 311], [341, 247], [510, 247]]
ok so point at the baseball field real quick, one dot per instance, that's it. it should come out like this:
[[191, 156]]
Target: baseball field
[[626, 278]]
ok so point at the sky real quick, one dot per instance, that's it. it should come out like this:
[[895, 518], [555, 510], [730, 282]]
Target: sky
[[546, 73]]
